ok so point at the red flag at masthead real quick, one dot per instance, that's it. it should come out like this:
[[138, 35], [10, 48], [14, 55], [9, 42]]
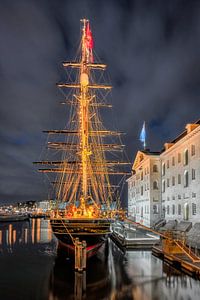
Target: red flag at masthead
[[89, 43]]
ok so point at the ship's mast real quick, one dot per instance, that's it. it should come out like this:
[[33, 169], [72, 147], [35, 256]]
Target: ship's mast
[[84, 117]]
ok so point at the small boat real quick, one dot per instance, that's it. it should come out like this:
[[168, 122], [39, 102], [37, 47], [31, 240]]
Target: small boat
[[13, 217]]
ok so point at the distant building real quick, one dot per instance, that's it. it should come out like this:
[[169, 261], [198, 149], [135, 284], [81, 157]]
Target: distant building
[[181, 175], [43, 205], [144, 188], [167, 183]]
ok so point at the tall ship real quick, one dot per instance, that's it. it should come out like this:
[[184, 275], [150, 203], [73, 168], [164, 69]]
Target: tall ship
[[88, 156]]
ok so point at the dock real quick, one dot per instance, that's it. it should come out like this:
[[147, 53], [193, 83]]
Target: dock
[[129, 237], [180, 261]]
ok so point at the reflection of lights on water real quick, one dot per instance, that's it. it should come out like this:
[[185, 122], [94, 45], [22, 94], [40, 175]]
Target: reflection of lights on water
[[26, 235], [39, 232], [38, 226], [14, 236], [33, 231], [10, 234]]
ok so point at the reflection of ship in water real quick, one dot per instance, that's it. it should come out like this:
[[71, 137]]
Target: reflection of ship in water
[[24, 233], [66, 284]]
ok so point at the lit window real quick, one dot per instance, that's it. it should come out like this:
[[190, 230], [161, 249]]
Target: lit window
[[155, 185], [193, 150], [179, 178], [186, 179], [193, 174], [186, 157]]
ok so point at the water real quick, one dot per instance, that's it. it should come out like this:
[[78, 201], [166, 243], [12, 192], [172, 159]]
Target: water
[[29, 269]]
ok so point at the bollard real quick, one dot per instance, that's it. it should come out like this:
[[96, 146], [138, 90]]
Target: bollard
[[84, 254], [80, 255]]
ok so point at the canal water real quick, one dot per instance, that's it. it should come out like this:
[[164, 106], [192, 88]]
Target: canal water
[[30, 269]]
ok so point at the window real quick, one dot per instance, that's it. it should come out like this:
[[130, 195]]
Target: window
[[193, 174], [155, 200], [167, 164], [173, 161], [179, 197], [173, 209], [193, 150], [186, 157], [193, 195], [186, 179], [155, 168], [163, 169], [179, 178], [163, 186], [167, 182], [194, 208], [155, 209], [173, 180], [155, 185], [179, 209], [142, 176], [179, 157], [173, 197], [142, 211], [141, 191], [168, 209], [167, 198]]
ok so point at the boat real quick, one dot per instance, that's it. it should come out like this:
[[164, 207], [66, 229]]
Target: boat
[[83, 190], [13, 217]]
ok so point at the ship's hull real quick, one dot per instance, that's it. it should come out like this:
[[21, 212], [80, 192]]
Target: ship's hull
[[93, 231]]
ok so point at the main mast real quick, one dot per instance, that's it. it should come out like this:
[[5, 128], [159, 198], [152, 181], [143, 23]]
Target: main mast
[[84, 116]]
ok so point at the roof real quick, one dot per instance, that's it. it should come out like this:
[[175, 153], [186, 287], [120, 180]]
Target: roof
[[181, 135]]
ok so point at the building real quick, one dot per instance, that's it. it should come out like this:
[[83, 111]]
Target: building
[[144, 188], [167, 183], [181, 175]]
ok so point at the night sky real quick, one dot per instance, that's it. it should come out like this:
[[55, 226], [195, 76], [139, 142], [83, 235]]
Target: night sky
[[152, 49]]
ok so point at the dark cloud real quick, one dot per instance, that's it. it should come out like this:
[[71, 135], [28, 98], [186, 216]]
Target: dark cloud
[[152, 52]]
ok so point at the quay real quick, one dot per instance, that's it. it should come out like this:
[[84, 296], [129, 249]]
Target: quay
[[128, 236], [164, 245]]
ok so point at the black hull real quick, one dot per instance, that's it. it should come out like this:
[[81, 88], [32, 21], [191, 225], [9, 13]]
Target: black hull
[[93, 231]]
